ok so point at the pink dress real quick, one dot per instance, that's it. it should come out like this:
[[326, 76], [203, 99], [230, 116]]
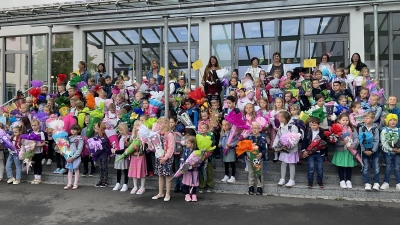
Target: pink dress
[[137, 166]]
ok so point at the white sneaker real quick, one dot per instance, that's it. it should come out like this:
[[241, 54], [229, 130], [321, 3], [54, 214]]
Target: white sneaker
[[232, 179], [343, 184], [124, 188], [384, 186], [225, 179], [117, 187], [43, 161], [367, 187], [281, 182], [290, 183], [49, 162], [349, 185], [246, 169], [398, 186], [376, 186]]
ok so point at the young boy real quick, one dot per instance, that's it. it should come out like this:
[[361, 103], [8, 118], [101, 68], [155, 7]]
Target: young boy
[[376, 108], [206, 166], [391, 108], [261, 141], [231, 103], [153, 84], [108, 87], [313, 148], [336, 92], [324, 84], [193, 111], [370, 156], [61, 91], [391, 150], [71, 92]]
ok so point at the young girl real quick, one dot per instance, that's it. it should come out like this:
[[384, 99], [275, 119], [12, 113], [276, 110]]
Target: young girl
[[233, 83], [38, 152], [342, 158], [86, 158], [190, 178], [205, 119], [289, 100], [361, 81], [362, 98], [101, 155], [376, 108], [259, 90], [320, 103], [76, 145], [229, 158], [13, 157], [264, 107], [145, 107], [137, 167], [122, 165], [120, 101], [163, 166], [243, 100], [274, 121], [355, 112], [290, 157]]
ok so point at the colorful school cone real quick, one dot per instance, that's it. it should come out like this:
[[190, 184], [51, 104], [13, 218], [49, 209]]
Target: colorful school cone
[[95, 117], [135, 145], [113, 138], [62, 141]]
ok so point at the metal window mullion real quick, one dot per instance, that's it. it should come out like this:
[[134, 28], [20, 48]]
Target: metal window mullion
[[103, 43], [139, 59], [276, 42], [302, 42], [233, 49], [30, 58], [391, 58], [3, 69], [161, 60]]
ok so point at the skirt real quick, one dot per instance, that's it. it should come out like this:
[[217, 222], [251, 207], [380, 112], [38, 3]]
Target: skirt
[[292, 157], [344, 159], [191, 178], [122, 164], [230, 156], [75, 163], [137, 167], [164, 169]]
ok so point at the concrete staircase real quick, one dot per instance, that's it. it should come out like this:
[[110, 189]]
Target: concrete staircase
[[271, 178]]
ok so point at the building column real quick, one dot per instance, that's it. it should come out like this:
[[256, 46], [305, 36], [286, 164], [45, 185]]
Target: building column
[[356, 34], [204, 46], [79, 48]]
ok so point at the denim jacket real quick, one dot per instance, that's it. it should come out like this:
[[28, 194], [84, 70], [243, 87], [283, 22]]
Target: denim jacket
[[159, 77]]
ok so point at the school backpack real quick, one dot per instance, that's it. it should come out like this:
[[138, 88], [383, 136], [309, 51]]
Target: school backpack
[[85, 149], [300, 125]]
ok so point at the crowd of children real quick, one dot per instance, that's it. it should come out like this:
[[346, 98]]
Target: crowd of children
[[296, 117]]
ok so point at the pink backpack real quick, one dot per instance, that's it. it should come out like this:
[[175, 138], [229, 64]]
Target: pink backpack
[[85, 149]]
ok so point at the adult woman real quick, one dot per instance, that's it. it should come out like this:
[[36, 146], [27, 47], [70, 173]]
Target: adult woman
[[101, 72], [277, 65], [83, 72], [163, 165], [212, 86], [356, 65], [254, 69], [324, 63], [155, 72], [211, 66]]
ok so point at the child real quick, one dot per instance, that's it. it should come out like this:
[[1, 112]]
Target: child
[[313, 134], [289, 100], [101, 155], [121, 101], [108, 87], [370, 156], [190, 178], [13, 157], [137, 167], [193, 111], [230, 102], [243, 100], [76, 145], [341, 107], [206, 166], [305, 92], [320, 101], [264, 107], [233, 85], [362, 98], [275, 123], [389, 134], [323, 84], [229, 158], [355, 112], [376, 108], [86, 158], [91, 84], [342, 157], [61, 91], [291, 157], [336, 92], [71, 92], [361, 81], [38, 152], [122, 165], [391, 107], [153, 86], [259, 90], [260, 140]]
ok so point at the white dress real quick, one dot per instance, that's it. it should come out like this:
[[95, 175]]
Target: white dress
[[124, 163], [255, 72]]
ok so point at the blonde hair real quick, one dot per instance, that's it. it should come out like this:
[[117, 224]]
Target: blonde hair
[[280, 99], [364, 69], [370, 115], [222, 130], [258, 79], [121, 96], [123, 126], [35, 121], [265, 99], [253, 114], [166, 121], [134, 133], [192, 139]]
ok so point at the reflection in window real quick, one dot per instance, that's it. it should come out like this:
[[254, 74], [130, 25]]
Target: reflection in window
[[221, 45], [254, 29], [290, 49], [382, 22], [61, 62], [178, 59], [335, 50], [63, 40], [326, 25], [94, 48], [151, 35], [221, 32], [290, 27], [117, 38], [17, 43], [180, 34], [16, 79], [149, 54], [396, 21]]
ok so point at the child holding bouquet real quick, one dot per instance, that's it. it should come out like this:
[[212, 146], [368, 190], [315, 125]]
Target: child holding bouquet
[[273, 116], [13, 157], [121, 165], [229, 158], [76, 145], [101, 155], [137, 167], [356, 114], [260, 141], [190, 178], [38, 152]]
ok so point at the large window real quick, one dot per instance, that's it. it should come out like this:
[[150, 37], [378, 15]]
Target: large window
[[94, 50], [39, 57], [221, 44], [61, 57], [326, 25]]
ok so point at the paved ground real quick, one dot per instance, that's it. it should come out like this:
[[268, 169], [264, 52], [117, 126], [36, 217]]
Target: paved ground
[[50, 204]]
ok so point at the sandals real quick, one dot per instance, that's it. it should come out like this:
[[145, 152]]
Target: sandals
[[75, 187], [68, 187]]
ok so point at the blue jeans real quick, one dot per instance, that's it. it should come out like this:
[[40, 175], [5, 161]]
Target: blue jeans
[[370, 161], [10, 159], [392, 163], [318, 160]]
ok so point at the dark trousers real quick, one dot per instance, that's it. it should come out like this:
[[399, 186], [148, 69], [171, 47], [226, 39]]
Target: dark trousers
[[176, 166], [189, 190], [119, 174], [342, 171], [103, 168], [60, 160], [37, 164], [233, 166], [149, 161], [50, 150], [86, 160]]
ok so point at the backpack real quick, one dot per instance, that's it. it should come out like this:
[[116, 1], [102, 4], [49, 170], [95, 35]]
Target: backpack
[[177, 86], [300, 125], [178, 144], [85, 149]]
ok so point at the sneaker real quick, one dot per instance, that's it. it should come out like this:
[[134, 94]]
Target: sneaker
[[384, 186], [16, 182], [320, 184], [349, 185], [232, 179], [134, 190], [103, 185], [201, 191], [43, 161], [188, 198], [141, 191], [91, 174], [376, 186], [251, 190], [343, 184], [33, 181], [11, 180], [290, 183], [57, 171], [309, 185], [194, 198], [124, 188], [275, 160], [117, 187], [225, 179], [259, 191], [62, 171], [98, 184], [210, 190], [84, 174], [368, 187], [49, 161], [398, 186], [246, 169], [281, 182]]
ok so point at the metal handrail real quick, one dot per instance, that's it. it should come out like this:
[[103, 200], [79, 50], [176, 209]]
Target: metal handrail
[[14, 98]]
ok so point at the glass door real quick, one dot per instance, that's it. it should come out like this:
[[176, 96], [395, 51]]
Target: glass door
[[122, 61], [245, 52], [178, 63], [336, 48]]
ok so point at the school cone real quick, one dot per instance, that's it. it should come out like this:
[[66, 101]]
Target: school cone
[[132, 147]]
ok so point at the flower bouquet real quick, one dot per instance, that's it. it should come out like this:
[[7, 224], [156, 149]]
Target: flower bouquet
[[347, 136], [316, 145], [95, 144], [238, 125], [334, 134], [6, 142], [287, 141], [28, 145], [251, 150]]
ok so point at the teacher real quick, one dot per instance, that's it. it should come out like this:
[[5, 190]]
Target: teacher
[[154, 72], [254, 69], [356, 65], [101, 72], [277, 65], [324, 63], [212, 67]]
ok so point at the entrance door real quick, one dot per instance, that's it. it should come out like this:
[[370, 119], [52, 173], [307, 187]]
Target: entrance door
[[336, 48], [122, 61], [245, 52]]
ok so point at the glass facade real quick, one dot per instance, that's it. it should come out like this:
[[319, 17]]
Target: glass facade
[[39, 57]]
